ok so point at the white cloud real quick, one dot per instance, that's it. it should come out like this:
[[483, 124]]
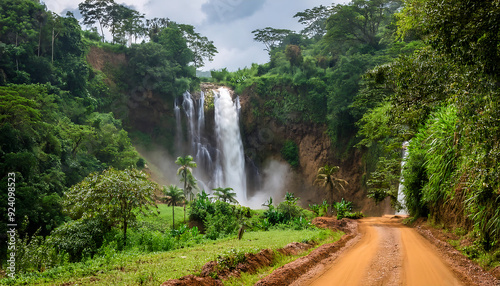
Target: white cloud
[[185, 12]]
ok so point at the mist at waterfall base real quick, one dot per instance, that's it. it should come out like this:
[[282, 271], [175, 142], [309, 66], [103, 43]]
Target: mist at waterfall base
[[214, 140]]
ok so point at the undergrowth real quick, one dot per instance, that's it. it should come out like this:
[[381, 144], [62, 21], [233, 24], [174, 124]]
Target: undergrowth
[[470, 246]]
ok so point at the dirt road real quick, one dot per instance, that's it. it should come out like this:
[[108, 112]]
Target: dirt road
[[387, 253]]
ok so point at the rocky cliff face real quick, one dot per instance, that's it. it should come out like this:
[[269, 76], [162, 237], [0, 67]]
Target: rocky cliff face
[[264, 137]]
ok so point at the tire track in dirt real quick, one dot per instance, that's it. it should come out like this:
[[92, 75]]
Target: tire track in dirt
[[422, 265], [385, 268], [348, 268], [388, 253]]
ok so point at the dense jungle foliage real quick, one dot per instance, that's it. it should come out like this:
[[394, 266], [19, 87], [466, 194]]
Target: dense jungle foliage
[[56, 120], [380, 73], [377, 73]]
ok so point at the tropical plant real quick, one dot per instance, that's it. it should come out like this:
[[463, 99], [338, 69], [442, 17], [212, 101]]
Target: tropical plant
[[289, 209], [174, 196], [326, 178], [190, 186], [185, 170], [342, 208], [226, 195], [200, 207], [324, 207], [268, 203], [222, 222], [315, 208]]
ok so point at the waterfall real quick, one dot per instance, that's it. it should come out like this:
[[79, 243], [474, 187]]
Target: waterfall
[[188, 106], [401, 195], [230, 144], [220, 163], [178, 133], [201, 113]]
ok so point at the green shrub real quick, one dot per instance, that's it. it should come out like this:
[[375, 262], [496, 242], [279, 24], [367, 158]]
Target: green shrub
[[220, 225], [222, 222], [355, 215], [150, 241], [324, 208], [36, 254], [290, 153], [315, 209], [220, 75], [265, 224], [415, 177], [300, 223], [80, 237], [285, 212], [342, 208], [231, 259], [200, 207]]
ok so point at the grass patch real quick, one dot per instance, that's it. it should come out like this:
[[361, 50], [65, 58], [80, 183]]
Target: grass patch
[[163, 221], [133, 267], [280, 260]]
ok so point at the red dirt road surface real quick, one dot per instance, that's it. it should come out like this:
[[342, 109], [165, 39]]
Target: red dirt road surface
[[387, 253]]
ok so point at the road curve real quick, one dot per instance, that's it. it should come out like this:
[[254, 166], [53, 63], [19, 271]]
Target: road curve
[[388, 253]]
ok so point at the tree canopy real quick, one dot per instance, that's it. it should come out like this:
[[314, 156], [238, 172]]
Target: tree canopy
[[271, 37], [115, 195], [314, 20], [225, 195]]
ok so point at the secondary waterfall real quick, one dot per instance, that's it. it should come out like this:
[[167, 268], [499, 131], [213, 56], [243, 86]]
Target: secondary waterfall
[[401, 195], [217, 149]]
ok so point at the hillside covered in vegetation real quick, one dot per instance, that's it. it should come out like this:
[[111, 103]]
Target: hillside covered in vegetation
[[366, 78]]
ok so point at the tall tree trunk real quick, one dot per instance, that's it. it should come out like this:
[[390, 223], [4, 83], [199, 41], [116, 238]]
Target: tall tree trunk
[[102, 32], [173, 217], [185, 194]]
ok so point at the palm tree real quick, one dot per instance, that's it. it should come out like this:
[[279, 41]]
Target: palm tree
[[174, 195], [225, 195], [185, 172], [326, 178], [190, 184]]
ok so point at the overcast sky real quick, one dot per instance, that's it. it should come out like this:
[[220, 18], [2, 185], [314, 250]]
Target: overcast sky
[[228, 23]]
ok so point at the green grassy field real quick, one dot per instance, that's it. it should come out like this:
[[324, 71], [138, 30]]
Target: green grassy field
[[134, 268], [164, 220]]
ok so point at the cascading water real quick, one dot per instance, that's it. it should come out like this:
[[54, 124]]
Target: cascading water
[[401, 195], [222, 165], [230, 144], [178, 134], [188, 106]]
